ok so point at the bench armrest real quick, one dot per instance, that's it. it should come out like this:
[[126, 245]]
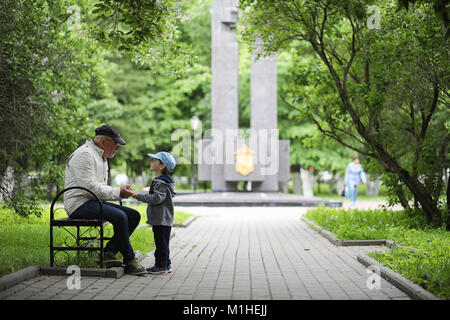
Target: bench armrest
[[70, 188]]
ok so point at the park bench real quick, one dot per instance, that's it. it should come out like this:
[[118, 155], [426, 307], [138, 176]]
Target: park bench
[[84, 241]]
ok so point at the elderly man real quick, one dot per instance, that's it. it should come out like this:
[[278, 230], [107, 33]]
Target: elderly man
[[88, 167]]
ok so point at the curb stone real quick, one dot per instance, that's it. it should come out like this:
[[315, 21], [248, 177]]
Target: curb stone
[[115, 273], [339, 242], [410, 288], [186, 222], [19, 276]]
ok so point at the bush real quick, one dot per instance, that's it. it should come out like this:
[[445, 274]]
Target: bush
[[363, 224], [428, 266]]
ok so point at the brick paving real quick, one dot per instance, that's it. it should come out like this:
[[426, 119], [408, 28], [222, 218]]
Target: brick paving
[[234, 253]]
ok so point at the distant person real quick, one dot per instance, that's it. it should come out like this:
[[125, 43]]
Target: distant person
[[160, 210], [354, 174], [88, 167]]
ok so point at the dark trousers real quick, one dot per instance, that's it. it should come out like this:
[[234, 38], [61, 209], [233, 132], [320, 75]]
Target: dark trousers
[[162, 251], [124, 221]]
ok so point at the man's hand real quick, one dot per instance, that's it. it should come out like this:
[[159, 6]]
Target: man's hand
[[126, 191]]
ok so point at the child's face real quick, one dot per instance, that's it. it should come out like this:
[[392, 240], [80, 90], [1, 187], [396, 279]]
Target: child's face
[[156, 166]]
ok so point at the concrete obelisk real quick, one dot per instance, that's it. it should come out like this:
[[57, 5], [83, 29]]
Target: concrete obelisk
[[227, 158], [225, 59], [263, 116]]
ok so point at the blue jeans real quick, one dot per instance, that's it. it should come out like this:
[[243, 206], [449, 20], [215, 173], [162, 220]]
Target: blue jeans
[[124, 220], [162, 251], [353, 190]]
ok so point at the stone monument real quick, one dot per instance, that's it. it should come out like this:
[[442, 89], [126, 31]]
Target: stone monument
[[225, 156]]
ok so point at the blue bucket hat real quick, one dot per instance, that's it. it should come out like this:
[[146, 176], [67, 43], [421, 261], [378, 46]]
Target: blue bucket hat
[[166, 158]]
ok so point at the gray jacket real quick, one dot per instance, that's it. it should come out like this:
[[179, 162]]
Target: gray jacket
[[160, 210]]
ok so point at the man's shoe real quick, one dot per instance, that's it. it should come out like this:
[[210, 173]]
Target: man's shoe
[[135, 268], [110, 260], [156, 270], [169, 269]]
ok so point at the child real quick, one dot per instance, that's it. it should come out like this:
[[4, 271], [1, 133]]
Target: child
[[160, 211]]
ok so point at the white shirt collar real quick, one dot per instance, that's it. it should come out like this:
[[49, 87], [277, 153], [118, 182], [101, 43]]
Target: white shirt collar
[[96, 148]]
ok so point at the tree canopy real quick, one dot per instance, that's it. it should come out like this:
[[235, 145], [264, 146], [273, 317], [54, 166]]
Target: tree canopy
[[50, 58], [380, 92], [346, 85]]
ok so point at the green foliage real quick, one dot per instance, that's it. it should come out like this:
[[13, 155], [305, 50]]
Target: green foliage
[[51, 63], [147, 104], [431, 270], [49, 74], [309, 147], [382, 93], [147, 31], [428, 265], [440, 7], [364, 224]]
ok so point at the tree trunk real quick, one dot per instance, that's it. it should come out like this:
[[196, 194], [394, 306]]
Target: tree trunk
[[49, 193], [297, 182], [332, 184], [379, 153], [283, 186], [448, 203], [372, 187], [402, 198], [420, 194], [307, 183], [7, 182], [340, 185]]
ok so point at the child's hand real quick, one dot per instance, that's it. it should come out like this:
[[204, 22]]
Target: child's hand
[[125, 191]]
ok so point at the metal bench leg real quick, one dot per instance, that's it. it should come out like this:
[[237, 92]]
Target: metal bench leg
[[78, 243], [101, 246], [51, 245]]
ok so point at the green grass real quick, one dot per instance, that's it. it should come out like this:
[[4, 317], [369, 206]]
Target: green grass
[[428, 267], [25, 241], [363, 224]]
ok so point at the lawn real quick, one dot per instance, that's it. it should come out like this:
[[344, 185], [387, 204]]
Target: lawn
[[25, 241], [429, 266]]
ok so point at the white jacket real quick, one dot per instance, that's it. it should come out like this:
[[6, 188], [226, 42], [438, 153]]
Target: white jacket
[[87, 168]]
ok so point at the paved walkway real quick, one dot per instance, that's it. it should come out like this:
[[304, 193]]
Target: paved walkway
[[235, 253]]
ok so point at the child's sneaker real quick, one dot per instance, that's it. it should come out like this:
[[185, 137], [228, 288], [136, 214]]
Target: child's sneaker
[[156, 270], [169, 269]]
